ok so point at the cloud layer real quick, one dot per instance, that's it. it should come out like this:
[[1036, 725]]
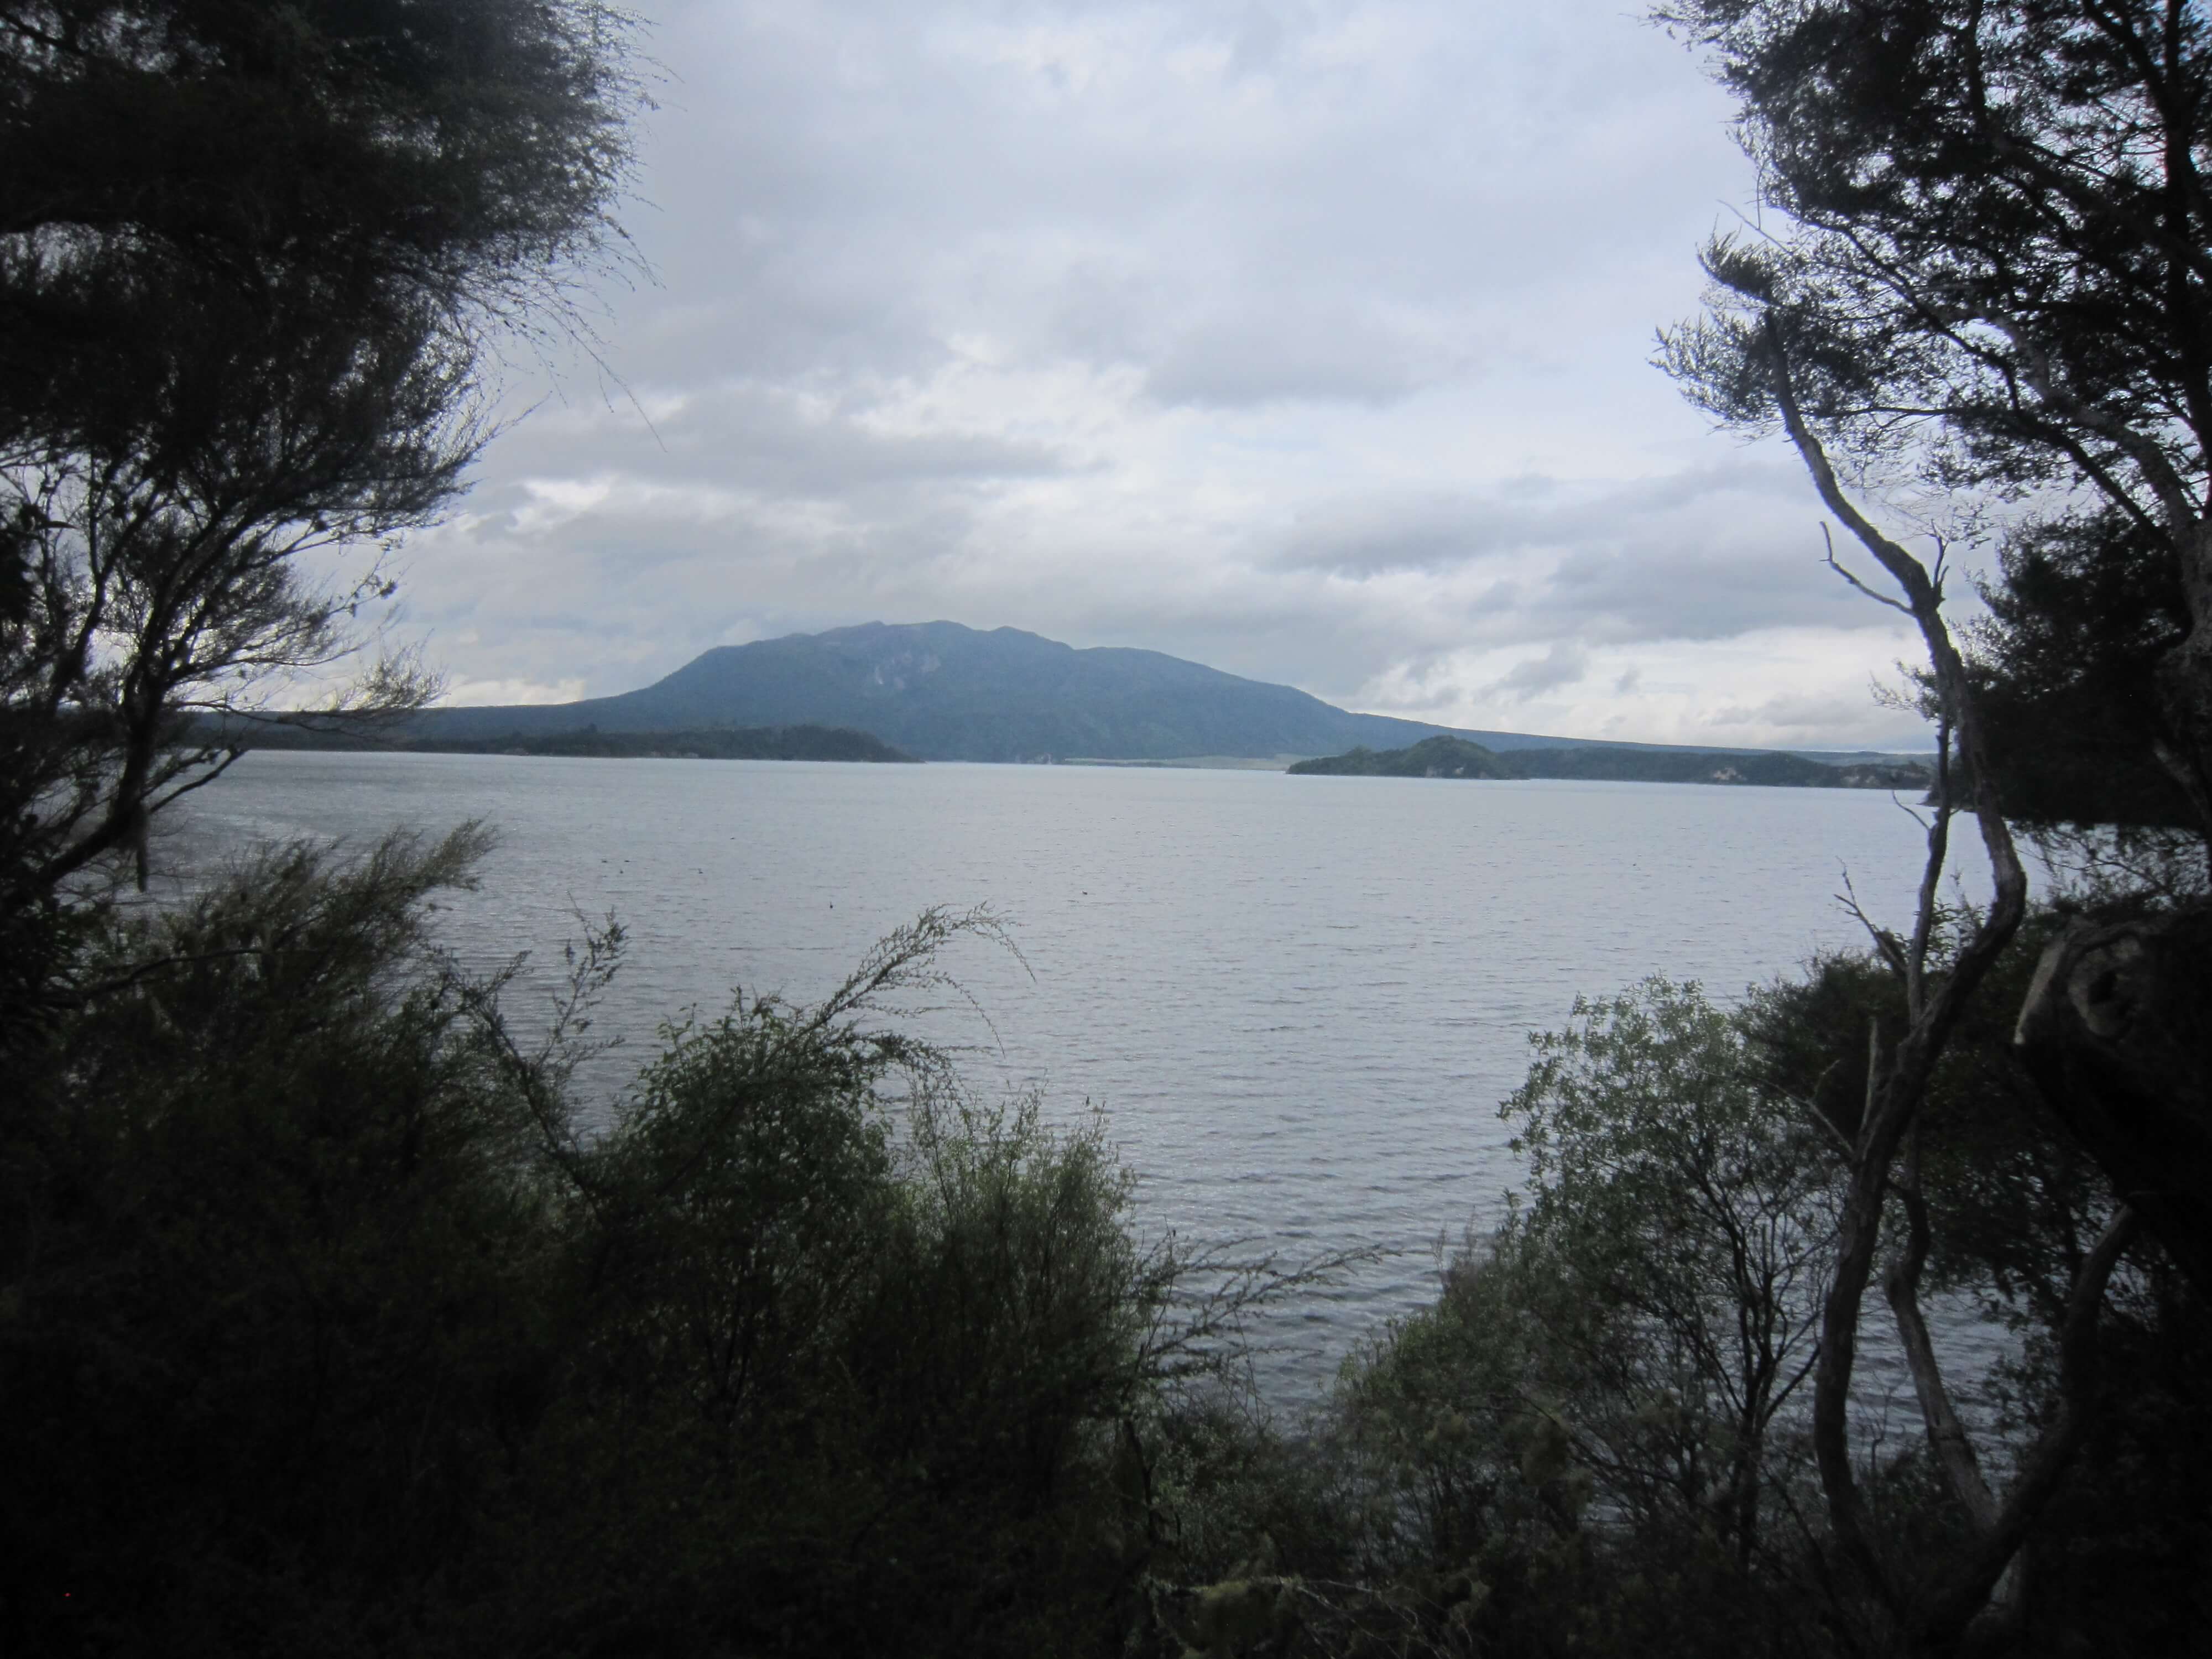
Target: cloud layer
[[1306, 340]]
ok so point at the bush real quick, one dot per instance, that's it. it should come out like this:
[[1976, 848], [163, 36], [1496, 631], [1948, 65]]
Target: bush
[[1588, 1443], [275, 1299], [323, 1331]]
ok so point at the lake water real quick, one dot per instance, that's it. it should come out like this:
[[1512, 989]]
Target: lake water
[[1299, 1000]]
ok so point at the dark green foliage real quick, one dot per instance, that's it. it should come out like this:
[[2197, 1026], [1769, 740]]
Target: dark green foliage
[[814, 743], [324, 1330], [1598, 1422], [253, 258], [407, 157], [2015, 1203], [1735, 766], [272, 1303], [2080, 616], [1988, 213], [2129, 1541], [1988, 269], [321, 1328], [1595, 1441]]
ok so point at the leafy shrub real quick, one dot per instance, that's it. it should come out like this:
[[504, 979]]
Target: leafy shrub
[[323, 1329]]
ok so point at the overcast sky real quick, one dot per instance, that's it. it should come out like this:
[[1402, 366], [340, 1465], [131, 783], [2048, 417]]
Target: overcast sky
[[1306, 340]]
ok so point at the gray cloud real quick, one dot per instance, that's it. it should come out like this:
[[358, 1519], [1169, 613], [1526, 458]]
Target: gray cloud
[[1376, 536], [1564, 664], [773, 439], [1707, 553], [1226, 362], [1305, 338]]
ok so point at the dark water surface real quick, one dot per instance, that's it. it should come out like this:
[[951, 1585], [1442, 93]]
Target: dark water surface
[[1299, 1000]]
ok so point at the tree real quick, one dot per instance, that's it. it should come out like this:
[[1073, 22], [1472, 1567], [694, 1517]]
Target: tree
[[1997, 1209], [1996, 272], [252, 259], [2082, 608], [1694, 1223], [1599, 1421], [1989, 283], [463, 154], [156, 581]]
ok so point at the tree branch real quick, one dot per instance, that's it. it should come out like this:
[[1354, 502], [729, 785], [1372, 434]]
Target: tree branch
[[1958, 1604], [1947, 1435]]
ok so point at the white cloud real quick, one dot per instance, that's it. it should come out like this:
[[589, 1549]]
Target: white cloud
[[477, 694]]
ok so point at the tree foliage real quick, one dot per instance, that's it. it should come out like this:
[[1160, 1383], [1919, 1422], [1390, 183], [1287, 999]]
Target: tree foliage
[[2082, 610], [1554, 1457], [1992, 267], [250, 260]]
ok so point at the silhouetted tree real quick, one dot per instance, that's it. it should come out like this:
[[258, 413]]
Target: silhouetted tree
[[1987, 275], [250, 259]]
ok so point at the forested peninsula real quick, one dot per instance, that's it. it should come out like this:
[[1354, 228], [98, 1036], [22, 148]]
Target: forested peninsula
[[1456, 757], [803, 743]]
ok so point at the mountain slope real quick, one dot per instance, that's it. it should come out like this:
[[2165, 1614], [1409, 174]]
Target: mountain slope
[[945, 692]]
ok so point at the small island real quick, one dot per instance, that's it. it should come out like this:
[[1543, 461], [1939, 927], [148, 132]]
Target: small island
[[1431, 757], [1456, 757]]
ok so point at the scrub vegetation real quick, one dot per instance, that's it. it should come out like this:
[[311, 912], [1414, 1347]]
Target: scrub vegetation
[[325, 1327]]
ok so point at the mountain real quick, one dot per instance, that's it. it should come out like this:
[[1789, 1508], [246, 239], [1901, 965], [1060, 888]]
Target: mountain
[[941, 691]]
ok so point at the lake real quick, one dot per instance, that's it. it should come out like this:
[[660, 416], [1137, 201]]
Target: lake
[[1299, 1000]]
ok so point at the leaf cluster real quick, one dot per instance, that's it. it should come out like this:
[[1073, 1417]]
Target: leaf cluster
[[1991, 238]]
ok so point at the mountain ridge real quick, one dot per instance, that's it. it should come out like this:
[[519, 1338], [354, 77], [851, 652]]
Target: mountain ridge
[[940, 690]]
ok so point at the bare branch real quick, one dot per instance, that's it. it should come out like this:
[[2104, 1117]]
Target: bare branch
[[1879, 599]]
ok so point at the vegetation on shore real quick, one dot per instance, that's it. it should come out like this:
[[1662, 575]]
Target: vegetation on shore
[[328, 1327], [810, 743], [1456, 757]]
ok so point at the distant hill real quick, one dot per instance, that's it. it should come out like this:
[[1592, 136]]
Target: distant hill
[[1453, 757], [1431, 757], [1731, 766], [940, 691], [814, 743]]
